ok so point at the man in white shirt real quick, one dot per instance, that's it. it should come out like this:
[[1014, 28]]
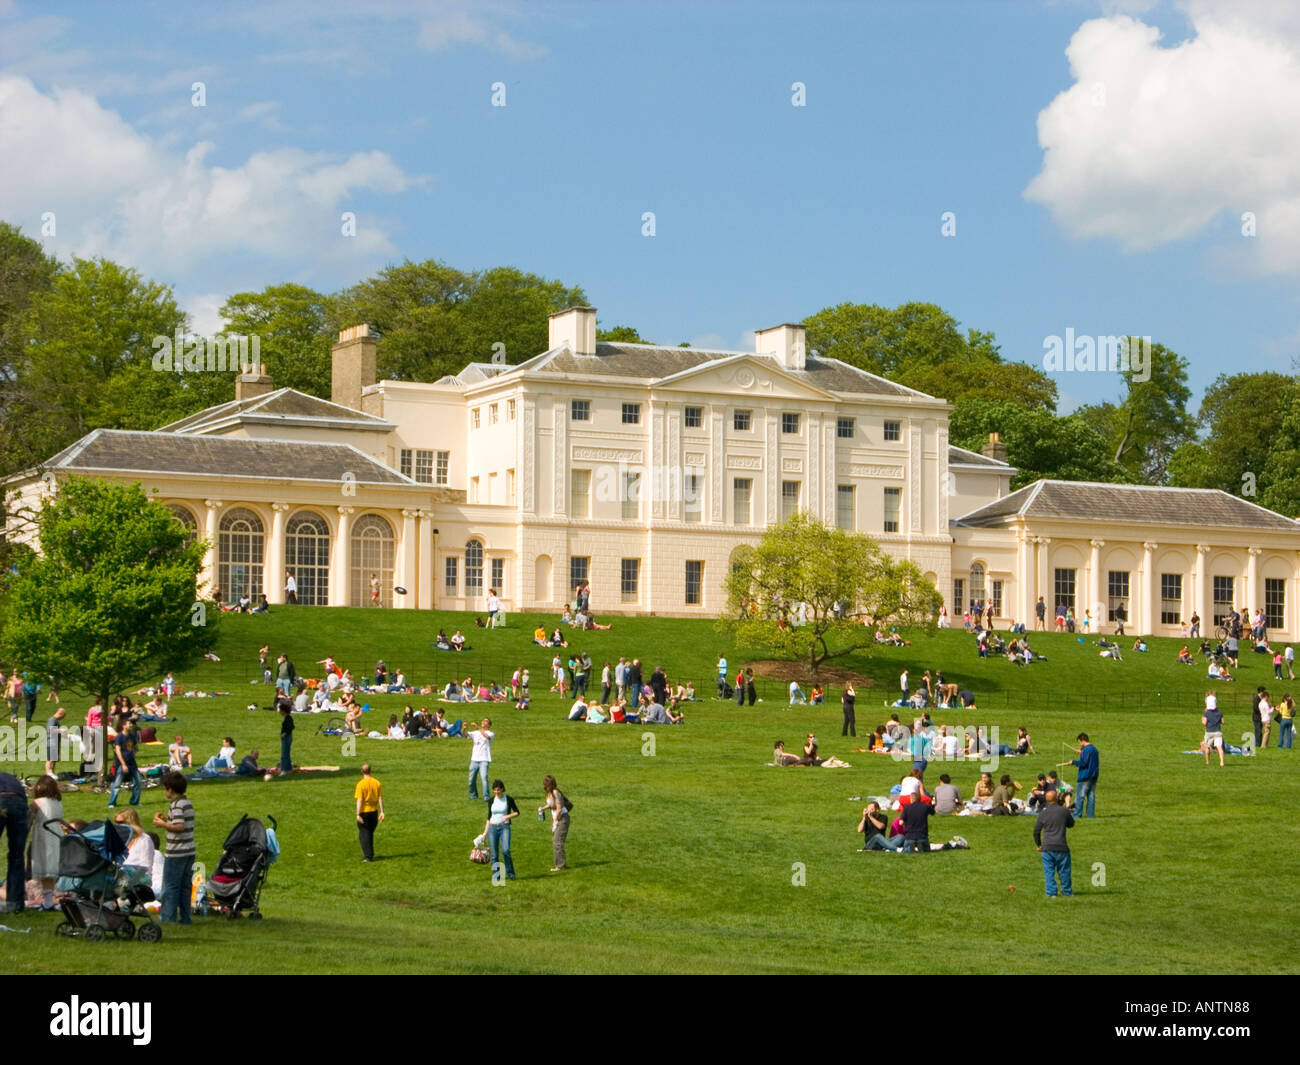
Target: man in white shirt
[[480, 760], [902, 684], [493, 607], [1265, 718], [290, 588]]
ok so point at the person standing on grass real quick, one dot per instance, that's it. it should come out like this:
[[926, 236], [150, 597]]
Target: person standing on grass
[[751, 692], [374, 589], [493, 607], [480, 759], [178, 861], [850, 720], [369, 794], [286, 734], [1285, 723], [501, 811], [558, 803], [290, 588], [1049, 838], [1265, 720], [1212, 719], [1089, 763], [124, 746]]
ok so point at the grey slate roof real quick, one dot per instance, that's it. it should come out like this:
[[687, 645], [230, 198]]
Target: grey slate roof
[[283, 406], [1070, 500], [122, 451], [654, 362], [962, 457]]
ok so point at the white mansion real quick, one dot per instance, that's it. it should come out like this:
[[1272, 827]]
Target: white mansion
[[641, 469]]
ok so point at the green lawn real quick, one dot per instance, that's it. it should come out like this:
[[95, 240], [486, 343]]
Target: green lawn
[[685, 860]]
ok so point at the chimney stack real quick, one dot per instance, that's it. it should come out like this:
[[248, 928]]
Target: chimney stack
[[253, 382], [995, 448], [575, 327], [785, 342], [353, 366]]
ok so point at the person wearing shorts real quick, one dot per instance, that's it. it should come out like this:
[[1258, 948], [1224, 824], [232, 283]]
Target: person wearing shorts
[[1212, 719]]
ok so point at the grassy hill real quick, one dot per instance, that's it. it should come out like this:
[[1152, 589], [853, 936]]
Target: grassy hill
[[686, 858]]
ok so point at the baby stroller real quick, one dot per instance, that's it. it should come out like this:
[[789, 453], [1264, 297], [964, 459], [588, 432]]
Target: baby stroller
[[103, 897], [249, 850]]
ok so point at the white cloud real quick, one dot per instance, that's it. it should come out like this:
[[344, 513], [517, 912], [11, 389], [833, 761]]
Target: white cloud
[[1153, 143], [453, 26], [121, 194]]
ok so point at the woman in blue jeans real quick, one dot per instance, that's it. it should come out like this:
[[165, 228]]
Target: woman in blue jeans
[[501, 811]]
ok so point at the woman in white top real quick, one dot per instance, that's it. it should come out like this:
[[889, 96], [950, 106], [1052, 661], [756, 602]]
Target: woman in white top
[[140, 851], [46, 808], [395, 729], [501, 811]]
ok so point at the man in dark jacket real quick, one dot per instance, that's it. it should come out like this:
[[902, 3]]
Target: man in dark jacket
[[13, 822], [1049, 838], [1089, 763]]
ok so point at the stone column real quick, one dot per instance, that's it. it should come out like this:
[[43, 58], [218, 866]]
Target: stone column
[[1094, 585], [275, 560], [1024, 611], [208, 575], [426, 577], [1146, 588], [1253, 598], [341, 575], [1044, 587], [1203, 602], [404, 570]]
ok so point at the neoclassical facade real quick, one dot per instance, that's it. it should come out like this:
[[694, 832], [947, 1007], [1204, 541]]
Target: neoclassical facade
[[641, 470]]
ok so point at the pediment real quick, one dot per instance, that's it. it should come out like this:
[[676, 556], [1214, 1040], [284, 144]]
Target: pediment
[[744, 377]]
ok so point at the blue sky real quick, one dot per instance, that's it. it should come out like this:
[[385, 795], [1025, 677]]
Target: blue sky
[[1100, 190]]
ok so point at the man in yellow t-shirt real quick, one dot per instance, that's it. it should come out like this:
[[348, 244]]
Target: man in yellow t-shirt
[[370, 811]]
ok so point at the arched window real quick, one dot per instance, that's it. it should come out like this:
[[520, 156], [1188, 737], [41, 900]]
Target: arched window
[[372, 554], [473, 569], [307, 557], [976, 582], [186, 517], [241, 543]]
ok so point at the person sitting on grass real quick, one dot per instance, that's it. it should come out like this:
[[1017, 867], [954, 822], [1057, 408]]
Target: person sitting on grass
[[780, 756], [457, 641], [352, 720], [1139, 644], [539, 637], [248, 767], [452, 693], [873, 826], [179, 756], [656, 714], [224, 760], [595, 715], [396, 731], [984, 788], [558, 640], [1218, 672], [810, 751], [442, 642], [1000, 803], [1185, 657], [578, 711]]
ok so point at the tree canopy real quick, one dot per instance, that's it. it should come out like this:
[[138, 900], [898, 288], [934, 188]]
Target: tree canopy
[[111, 599], [806, 590]]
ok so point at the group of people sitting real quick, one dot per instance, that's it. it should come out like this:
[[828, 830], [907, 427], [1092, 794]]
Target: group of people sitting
[[644, 711], [421, 725], [780, 756], [454, 642], [466, 691], [1017, 651]]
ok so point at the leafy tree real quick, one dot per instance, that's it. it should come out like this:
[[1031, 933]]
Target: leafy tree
[[841, 578], [25, 270], [621, 334], [110, 600], [1282, 467], [87, 360], [921, 346], [434, 318], [1039, 444], [1241, 417], [1151, 422], [293, 326]]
